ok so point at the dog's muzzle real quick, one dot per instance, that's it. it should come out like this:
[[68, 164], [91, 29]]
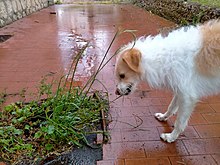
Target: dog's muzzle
[[124, 92]]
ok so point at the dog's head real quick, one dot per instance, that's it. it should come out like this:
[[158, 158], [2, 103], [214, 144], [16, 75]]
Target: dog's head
[[128, 71]]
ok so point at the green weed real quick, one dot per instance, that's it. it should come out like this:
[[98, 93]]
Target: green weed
[[37, 128]]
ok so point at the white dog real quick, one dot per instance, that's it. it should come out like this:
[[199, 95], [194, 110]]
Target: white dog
[[187, 62]]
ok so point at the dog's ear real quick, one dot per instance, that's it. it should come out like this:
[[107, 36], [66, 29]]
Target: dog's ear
[[132, 58]]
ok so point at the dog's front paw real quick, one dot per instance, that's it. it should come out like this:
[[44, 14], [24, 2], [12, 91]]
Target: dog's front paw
[[160, 116], [167, 137]]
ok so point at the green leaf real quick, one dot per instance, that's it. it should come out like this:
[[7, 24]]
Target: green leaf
[[38, 134], [5, 142], [28, 146], [9, 107], [44, 129], [14, 121], [19, 111], [18, 131], [77, 143], [17, 147], [49, 147], [21, 119], [27, 127], [59, 108], [1, 132], [50, 129]]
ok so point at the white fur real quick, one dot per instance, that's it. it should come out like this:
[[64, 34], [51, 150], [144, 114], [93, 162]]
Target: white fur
[[170, 63]]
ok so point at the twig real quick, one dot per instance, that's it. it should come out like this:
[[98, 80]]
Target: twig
[[116, 98], [139, 119], [131, 124]]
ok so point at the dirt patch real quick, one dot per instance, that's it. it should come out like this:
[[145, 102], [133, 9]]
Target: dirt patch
[[181, 12]]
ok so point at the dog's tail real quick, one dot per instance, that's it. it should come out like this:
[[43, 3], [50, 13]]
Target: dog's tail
[[208, 59]]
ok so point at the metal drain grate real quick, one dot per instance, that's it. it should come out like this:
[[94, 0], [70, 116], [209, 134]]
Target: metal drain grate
[[3, 38]]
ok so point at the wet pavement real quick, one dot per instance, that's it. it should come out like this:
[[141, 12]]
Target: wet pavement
[[45, 44]]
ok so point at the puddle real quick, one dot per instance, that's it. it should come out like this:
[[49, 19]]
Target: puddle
[[73, 43], [3, 38]]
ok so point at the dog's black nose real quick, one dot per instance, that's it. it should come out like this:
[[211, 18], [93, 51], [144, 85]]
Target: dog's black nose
[[128, 90]]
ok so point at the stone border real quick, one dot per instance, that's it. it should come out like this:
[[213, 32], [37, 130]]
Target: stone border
[[12, 10], [181, 12]]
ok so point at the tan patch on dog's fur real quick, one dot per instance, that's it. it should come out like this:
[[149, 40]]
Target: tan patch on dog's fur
[[208, 59], [132, 58]]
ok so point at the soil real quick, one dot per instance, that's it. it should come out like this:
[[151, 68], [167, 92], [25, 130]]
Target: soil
[[181, 12]]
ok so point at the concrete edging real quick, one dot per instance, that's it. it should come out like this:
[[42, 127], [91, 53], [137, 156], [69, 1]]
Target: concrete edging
[[12, 10]]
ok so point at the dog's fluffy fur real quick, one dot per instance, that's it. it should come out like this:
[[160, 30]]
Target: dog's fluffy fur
[[187, 62]]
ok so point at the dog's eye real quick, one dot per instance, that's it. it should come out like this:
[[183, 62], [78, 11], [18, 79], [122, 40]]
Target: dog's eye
[[122, 76]]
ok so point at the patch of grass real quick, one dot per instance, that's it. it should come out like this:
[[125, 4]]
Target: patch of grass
[[212, 3], [55, 124]]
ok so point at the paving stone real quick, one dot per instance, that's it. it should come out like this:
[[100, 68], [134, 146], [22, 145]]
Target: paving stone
[[123, 150], [162, 149], [132, 135], [215, 106], [203, 146], [193, 160], [111, 162], [197, 119], [208, 131], [148, 161], [217, 158], [203, 108], [212, 117]]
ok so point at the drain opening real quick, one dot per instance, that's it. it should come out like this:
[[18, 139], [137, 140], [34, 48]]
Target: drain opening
[[3, 38]]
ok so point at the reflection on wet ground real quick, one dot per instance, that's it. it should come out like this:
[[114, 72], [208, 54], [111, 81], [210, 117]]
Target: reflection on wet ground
[[84, 25], [85, 66]]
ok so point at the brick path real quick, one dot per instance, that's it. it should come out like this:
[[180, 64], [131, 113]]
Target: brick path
[[40, 45]]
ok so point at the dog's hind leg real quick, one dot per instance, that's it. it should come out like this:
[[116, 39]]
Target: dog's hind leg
[[186, 106], [172, 109]]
